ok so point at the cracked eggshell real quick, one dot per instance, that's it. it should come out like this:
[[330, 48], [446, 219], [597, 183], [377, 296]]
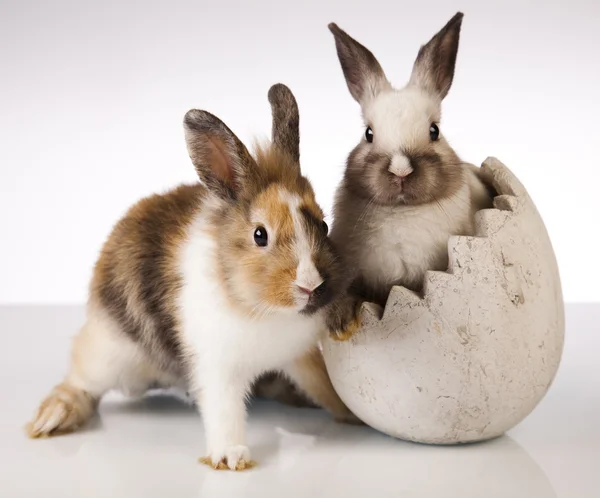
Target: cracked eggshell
[[475, 355]]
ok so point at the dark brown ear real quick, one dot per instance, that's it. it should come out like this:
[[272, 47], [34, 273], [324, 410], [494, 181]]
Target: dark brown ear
[[434, 67], [222, 162], [286, 121], [363, 74]]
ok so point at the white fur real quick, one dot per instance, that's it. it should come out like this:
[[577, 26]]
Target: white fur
[[400, 119], [307, 275], [100, 343], [399, 243], [227, 351], [103, 358]]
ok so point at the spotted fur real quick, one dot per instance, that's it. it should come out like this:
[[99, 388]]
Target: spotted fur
[[183, 296]]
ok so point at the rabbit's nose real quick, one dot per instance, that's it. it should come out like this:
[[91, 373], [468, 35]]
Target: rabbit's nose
[[304, 290], [400, 166], [310, 291]]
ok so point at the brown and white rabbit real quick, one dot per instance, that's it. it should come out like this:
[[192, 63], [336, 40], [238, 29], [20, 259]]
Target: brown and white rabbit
[[209, 286], [404, 191]]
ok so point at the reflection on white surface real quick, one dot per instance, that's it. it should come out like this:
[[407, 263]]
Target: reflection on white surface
[[150, 448], [351, 462]]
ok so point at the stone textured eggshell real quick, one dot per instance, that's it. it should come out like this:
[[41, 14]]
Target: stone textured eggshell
[[477, 353]]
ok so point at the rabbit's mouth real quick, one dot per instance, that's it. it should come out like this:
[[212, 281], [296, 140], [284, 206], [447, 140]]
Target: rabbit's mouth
[[390, 188], [396, 181], [317, 299]]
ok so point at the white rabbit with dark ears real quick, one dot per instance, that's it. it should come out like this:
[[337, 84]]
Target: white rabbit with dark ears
[[405, 191]]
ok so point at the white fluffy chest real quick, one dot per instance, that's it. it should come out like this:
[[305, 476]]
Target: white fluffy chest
[[402, 242], [218, 336]]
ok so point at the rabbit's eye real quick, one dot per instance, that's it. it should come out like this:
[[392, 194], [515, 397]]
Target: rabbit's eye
[[369, 134], [325, 227], [260, 237], [434, 132]]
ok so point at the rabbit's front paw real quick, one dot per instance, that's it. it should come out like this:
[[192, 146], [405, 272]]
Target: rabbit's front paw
[[342, 318], [231, 458]]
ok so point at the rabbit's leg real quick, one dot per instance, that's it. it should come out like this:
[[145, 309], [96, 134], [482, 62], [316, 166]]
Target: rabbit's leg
[[222, 401], [310, 375], [101, 359], [278, 387]]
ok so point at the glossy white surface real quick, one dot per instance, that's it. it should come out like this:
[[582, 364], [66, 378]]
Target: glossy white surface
[[150, 448]]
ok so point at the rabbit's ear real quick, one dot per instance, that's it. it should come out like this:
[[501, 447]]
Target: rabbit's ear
[[286, 121], [222, 162], [434, 67], [363, 74]]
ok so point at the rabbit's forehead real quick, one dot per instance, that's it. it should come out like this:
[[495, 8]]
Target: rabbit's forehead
[[401, 118], [284, 210]]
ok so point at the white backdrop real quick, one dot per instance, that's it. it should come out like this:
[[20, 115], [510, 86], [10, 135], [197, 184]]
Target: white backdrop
[[93, 95]]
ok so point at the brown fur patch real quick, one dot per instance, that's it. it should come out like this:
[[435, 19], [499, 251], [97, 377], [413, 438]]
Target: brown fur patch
[[276, 166], [309, 373], [275, 386], [257, 278], [310, 206], [278, 289], [266, 274], [438, 173], [136, 278], [276, 212]]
